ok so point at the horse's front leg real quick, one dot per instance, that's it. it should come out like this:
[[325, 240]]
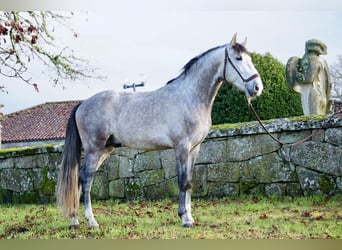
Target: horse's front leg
[[185, 165], [184, 209]]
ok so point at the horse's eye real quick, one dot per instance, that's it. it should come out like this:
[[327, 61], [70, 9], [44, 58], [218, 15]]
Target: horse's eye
[[239, 58]]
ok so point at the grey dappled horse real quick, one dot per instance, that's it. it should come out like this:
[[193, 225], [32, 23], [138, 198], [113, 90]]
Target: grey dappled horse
[[177, 115]]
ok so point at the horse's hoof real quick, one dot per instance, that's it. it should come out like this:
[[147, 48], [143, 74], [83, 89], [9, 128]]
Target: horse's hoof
[[188, 225], [76, 226], [93, 224]]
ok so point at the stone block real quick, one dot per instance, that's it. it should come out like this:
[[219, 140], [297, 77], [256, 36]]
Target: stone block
[[167, 189], [147, 161], [229, 171], [17, 180], [212, 152], [248, 147], [100, 189], [134, 189], [222, 189], [25, 162], [117, 188], [44, 180], [125, 167], [281, 189], [111, 166], [7, 163], [151, 177], [199, 181], [170, 188], [334, 136], [309, 181], [127, 152], [293, 136], [168, 162], [267, 169], [322, 157]]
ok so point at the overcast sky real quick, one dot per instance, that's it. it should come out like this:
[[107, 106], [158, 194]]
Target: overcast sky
[[153, 44]]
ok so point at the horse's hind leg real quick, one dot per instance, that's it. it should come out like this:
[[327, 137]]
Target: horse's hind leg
[[93, 161]]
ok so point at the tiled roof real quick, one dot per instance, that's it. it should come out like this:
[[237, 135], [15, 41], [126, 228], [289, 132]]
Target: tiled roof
[[39, 123]]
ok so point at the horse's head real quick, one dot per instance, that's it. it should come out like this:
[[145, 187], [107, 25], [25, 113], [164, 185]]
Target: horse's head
[[240, 71]]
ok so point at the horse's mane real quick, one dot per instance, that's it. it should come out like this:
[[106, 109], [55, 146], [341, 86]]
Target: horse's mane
[[189, 64], [239, 48]]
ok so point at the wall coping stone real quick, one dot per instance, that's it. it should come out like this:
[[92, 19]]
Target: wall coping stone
[[274, 126]]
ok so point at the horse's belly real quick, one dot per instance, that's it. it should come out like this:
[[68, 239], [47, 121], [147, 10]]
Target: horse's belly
[[145, 140]]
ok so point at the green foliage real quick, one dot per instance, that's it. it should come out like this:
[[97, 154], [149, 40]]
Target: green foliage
[[325, 184], [276, 101]]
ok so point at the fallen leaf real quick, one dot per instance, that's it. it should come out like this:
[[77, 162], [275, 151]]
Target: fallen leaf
[[306, 214], [263, 217]]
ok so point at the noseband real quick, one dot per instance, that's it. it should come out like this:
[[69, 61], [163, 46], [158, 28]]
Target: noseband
[[226, 58]]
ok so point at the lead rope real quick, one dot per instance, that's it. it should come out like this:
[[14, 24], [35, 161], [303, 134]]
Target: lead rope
[[314, 133]]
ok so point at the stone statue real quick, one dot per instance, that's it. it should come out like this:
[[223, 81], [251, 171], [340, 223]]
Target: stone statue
[[310, 77]]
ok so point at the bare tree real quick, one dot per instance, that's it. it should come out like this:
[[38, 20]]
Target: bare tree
[[29, 36], [336, 74]]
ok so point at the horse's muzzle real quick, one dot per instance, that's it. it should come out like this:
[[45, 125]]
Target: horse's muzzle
[[254, 88]]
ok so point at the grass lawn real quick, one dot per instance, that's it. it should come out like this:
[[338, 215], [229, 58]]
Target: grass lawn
[[228, 218]]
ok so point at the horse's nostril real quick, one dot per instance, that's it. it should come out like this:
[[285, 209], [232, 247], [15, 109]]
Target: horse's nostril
[[256, 87]]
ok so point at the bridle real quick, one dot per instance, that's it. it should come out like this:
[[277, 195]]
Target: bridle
[[226, 58]]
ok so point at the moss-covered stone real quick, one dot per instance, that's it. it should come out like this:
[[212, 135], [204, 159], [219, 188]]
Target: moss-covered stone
[[30, 197], [246, 185], [111, 166], [199, 181], [322, 157], [41, 149], [309, 181], [133, 190], [18, 180], [326, 184], [117, 188], [154, 192], [170, 188], [147, 161], [6, 196], [168, 161], [228, 171], [47, 184], [334, 136], [241, 148], [100, 187], [126, 167], [212, 152], [151, 177], [222, 189]]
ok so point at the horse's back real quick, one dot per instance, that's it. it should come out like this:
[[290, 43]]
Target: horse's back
[[137, 120]]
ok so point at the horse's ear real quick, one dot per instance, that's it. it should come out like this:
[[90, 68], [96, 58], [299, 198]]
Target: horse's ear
[[245, 42], [233, 41]]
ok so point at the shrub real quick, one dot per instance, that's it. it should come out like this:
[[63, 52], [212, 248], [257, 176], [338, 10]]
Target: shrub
[[276, 101]]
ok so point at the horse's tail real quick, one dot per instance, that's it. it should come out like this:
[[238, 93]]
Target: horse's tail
[[67, 185]]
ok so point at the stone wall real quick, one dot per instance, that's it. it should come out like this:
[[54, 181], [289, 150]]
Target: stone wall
[[234, 159]]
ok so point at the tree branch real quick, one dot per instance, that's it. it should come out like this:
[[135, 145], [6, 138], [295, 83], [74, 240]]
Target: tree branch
[[26, 36]]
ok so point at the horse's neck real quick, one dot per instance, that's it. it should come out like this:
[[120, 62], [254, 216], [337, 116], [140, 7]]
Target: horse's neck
[[204, 79]]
